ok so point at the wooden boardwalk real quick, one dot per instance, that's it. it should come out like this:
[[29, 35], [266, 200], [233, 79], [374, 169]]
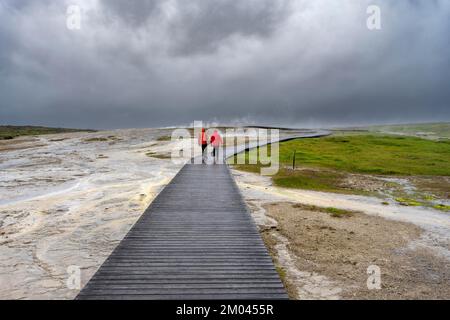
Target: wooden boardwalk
[[197, 240]]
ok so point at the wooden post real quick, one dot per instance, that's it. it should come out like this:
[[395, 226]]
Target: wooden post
[[293, 160]]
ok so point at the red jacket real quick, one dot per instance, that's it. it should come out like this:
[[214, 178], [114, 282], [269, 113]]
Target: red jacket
[[202, 139], [216, 139]]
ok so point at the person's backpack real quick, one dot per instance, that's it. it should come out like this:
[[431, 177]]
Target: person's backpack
[[213, 138]]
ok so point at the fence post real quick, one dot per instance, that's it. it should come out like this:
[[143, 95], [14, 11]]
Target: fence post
[[293, 160]]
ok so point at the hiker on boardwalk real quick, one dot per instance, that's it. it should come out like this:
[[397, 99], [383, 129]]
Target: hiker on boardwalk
[[216, 141], [203, 141]]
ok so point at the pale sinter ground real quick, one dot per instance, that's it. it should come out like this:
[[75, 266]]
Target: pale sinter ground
[[69, 199], [324, 257]]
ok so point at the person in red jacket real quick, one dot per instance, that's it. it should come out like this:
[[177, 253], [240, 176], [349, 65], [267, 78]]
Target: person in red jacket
[[203, 141], [216, 141]]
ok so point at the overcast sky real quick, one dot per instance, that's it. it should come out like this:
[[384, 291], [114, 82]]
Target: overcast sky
[[143, 63]]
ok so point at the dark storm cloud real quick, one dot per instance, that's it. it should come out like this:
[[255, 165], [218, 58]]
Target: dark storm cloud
[[144, 63], [134, 12], [212, 22], [202, 24]]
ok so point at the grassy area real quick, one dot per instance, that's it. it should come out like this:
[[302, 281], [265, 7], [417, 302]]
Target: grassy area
[[334, 212], [158, 155], [409, 202], [164, 138], [422, 202], [110, 139], [309, 179], [370, 154], [338, 213], [442, 207], [324, 164], [373, 154], [96, 139], [11, 132]]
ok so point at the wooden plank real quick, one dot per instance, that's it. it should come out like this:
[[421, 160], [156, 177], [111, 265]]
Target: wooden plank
[[197, 240]]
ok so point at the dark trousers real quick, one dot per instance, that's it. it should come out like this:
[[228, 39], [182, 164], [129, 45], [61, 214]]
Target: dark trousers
[[204, 146], [216, 154]]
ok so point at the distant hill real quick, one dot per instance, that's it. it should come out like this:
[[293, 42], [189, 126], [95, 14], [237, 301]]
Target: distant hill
[[433, 131], [425, 130], [11, 132]]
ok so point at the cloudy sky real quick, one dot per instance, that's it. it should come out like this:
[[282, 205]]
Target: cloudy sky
[[142, 63]]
